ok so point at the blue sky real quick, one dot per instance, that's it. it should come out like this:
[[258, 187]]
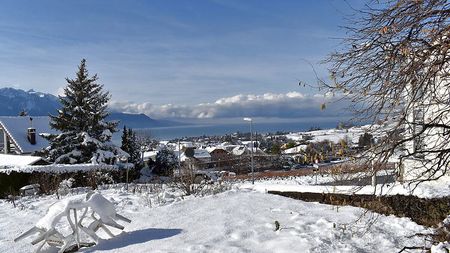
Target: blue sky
[[170, 53]]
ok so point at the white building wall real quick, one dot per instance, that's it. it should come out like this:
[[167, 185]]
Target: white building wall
[[433, 139]]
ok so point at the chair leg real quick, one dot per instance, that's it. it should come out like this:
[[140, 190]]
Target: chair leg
[[107, 230], [113, 224], [120, 217], [38, 249], [43, 236], [27, 233], [90, 233]]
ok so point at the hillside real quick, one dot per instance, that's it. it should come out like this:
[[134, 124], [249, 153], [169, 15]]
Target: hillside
[[139, 120], [13, 101]]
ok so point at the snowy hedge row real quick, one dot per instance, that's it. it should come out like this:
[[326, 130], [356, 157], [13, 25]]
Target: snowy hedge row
[[59, 168], [50, 177]]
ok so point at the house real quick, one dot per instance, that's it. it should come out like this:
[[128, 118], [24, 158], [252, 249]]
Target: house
[[196, 158], [218, 153], [24, 135], [425, 155], [220, 157]]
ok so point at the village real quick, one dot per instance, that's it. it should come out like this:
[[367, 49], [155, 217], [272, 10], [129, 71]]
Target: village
[[23, 140], [225, 126]]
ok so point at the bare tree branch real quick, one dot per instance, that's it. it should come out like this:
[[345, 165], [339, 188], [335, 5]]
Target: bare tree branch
[[394, 66]]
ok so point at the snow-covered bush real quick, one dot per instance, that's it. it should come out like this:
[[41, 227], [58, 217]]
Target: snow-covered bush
[[96, 178], [442, 237], [65, 186], [215, 188], [188, 182]]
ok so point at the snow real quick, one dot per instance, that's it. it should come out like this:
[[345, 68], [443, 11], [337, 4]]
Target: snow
[[333, 135], [18, 160], [432, 189], [58, 210], [240, 150], [70, 155], [201, 154], [104, 208], [150, 155], [295, 150], [212, 149], [237, 220], [198, 154], [240, 219], [58, 168], [442, 247]]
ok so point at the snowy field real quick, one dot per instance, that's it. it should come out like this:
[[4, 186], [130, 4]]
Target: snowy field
[[237, 220], [432, 189]]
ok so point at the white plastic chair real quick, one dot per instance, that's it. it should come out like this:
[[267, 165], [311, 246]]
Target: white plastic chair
[[91, 202]]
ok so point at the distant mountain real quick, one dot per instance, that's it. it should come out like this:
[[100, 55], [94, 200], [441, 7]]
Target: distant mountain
[[139, 120], [13, 101]]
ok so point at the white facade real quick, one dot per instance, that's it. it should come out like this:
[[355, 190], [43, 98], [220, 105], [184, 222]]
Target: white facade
[[423, 152]]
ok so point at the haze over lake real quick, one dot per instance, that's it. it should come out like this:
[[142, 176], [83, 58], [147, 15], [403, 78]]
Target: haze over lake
[[222, 128]]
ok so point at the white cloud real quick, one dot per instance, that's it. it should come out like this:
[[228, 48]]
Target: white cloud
[[288, 105]]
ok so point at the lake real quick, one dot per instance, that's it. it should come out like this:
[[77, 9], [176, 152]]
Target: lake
[[168, 133]]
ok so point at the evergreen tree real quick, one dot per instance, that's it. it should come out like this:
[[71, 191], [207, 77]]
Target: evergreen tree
[[125, 140], [165, 163], [135, 147], [131, 145], [85, 136]]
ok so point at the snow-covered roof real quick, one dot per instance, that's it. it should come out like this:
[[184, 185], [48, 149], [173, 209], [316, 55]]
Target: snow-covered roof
[[150, 154], [295, 136], [18, 160], [201, 154], [249, 143], [212, 149], [198, 154], [240, 150], [295, 150], [186, 144], [16, 127]]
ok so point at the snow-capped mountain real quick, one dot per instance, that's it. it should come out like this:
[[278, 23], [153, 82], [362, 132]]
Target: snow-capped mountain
[[14, 101]]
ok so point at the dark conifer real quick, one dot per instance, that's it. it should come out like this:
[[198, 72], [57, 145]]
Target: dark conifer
[[85, 136], [130, 144]]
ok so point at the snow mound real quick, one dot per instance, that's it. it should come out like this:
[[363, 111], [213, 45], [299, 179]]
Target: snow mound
[[442, 247]]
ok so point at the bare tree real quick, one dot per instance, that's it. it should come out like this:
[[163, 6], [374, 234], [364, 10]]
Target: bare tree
[[188, 181], [393, 66]]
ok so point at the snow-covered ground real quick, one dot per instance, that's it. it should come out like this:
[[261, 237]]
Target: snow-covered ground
[[432, 189], [237, 220], [333, 135]]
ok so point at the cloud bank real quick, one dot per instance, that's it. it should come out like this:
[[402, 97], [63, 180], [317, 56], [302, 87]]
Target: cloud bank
[[287, 105]]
